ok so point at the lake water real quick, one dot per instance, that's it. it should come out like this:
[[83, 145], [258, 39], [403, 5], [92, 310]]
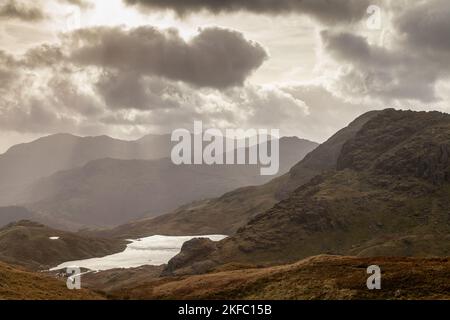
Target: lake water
[[154, 250]]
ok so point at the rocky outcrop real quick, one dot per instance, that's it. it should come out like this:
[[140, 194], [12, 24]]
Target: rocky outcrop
[[435, 166], [191, 259]]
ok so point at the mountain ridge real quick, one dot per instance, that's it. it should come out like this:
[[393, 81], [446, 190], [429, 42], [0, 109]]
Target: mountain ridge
[[387, 195], [108, 191]]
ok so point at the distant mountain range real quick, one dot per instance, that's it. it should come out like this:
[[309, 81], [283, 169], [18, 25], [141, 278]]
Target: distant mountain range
[[227, 213], [71, 182], [24, 163]]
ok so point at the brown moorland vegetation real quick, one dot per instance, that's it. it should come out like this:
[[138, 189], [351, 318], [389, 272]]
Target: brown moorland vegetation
[[320, 277], [18, 284]]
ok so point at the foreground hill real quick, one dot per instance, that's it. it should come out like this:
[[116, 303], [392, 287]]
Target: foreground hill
[[321, 277], [109, 192], [388, 195], [227, 213], [29, 244], [18, 284]]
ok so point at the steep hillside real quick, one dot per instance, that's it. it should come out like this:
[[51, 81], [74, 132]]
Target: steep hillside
[[389, 195], [17, 284], [226, 214], [109, 192], [29, 244], [318, 278]]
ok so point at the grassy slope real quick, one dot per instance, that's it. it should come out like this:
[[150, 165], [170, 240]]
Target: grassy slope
[[322, 277], [17, 284]]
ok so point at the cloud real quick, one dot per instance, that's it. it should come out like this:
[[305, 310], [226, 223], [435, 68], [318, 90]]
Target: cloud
[[7, 71], [426, 27], [43, 56], [308, 111], [129, 79], [83, 4], [379, 72], [127, 90], [96, 72], [85, 94], [326, 11], [13, 9], [327, 112], [35, 117], [404, 66], [217, 58]]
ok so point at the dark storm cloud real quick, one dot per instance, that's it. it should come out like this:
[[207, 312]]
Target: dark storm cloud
[[216, 58], [97, 74], [326, 11], [128, 90], [409, 68], [12, 9], [355, 48], [43, 56], [380, 72], [426, 27]]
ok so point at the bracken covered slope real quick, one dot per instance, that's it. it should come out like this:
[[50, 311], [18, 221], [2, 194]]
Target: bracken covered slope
[[18, 284], [321, 277]]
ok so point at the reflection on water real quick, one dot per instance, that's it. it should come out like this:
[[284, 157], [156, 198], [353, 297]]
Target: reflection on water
[[154, 250]]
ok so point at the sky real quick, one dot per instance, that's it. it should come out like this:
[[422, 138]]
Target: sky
[[127, 68]]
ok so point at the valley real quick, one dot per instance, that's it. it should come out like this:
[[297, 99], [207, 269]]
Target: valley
[[225, 150], [377, 192]]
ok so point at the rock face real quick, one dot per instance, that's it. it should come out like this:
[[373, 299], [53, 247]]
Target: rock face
[[388, 194], [193, 254], [434, 166], [401, 143]]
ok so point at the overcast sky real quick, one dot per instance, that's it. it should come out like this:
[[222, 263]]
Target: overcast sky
[[131, 67]]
